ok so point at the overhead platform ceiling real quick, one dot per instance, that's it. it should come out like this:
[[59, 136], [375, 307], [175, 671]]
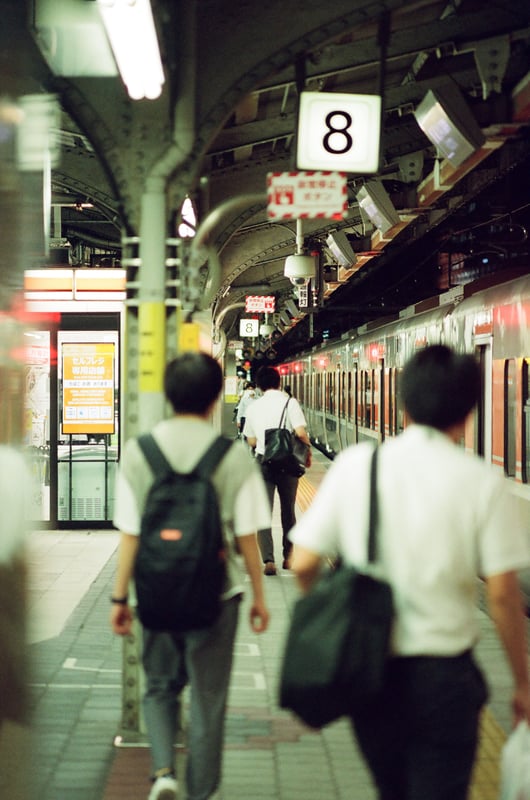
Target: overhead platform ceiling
[[233, 75]]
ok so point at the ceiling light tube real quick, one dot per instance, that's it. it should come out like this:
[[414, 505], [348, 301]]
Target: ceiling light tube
[[131, 32]]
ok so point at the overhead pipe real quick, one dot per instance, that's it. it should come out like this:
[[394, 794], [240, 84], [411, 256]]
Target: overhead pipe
[[202, 251], [222, 314]]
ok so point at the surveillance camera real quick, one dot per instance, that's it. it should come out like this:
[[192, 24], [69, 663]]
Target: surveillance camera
[[299, 281], [299, 269]]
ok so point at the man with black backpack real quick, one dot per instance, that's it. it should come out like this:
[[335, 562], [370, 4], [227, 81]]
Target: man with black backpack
[[187, 503]]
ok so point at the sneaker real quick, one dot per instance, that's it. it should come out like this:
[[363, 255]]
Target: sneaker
[[270, 568], [164, 788], [286, 563]]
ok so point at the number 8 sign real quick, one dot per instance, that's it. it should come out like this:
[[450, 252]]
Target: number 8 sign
[[339, 132]]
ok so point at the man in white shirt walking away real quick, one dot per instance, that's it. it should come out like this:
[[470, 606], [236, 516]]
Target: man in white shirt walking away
[[445, 519], [264, 413]]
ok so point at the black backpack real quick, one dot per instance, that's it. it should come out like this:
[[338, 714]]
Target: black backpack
[[180, 566]]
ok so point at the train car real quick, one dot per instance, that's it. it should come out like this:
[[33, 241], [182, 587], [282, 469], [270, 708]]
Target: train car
[[349, 387]]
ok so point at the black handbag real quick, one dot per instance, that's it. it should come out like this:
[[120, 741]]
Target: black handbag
[[338, 641], [284, 451]]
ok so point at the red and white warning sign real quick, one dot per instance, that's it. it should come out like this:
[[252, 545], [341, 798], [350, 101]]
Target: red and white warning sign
[[306, 195]]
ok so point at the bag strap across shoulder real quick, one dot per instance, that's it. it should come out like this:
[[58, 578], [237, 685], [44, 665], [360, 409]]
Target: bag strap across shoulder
[[283, 418], [373, 512], [159, 463]]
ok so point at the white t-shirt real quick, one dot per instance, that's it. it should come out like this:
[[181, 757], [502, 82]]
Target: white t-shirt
[[242, 496], [266, 412], [445, 517], [248, 397]]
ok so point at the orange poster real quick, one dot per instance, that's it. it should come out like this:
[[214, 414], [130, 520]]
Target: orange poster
[[88, 387]]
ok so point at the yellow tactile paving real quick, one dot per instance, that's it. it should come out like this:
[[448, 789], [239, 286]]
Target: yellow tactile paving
[[305, 494], [485, 784]]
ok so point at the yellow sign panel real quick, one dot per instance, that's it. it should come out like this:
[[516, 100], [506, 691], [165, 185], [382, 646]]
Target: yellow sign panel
[[189, 337], [88, 387], [152, 329]]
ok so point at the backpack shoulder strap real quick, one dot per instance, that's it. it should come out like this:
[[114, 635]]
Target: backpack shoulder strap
[[153, 454], [212, 457]]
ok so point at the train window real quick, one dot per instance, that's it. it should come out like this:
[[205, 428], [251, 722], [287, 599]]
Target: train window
[[367, 400], [480, 411], [399, 410], [330, 387], [509, 417], [526, 421], [359, 392], [391, 402], [318, 391], [379, 397]]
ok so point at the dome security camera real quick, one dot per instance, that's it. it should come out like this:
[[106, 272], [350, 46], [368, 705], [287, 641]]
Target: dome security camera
[[299, 269], [266, 329]]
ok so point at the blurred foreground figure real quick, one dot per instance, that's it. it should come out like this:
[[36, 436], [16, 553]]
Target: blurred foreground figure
[[14, 732], [14, 482], [445, 519]]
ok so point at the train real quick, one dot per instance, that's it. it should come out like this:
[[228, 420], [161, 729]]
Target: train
[[349, 387]]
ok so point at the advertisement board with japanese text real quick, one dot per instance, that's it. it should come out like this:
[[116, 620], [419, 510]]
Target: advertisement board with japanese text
[[88, 387]]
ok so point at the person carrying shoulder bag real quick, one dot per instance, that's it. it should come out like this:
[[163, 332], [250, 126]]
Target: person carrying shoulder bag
[[263, 414], [445, 517]]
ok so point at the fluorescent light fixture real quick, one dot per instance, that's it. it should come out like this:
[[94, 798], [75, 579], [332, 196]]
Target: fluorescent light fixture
[[72, 39], [445, 118], [37, 146], [374, 200], [341, 249], [131, 31]]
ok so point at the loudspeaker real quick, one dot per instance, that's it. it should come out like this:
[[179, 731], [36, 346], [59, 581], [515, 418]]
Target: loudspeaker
[[341, 249], [445, 118], [374, 200]]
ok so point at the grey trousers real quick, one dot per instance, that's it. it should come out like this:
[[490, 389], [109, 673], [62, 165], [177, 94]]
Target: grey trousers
[[204, 659]]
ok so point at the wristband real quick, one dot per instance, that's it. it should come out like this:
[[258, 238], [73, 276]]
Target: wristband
[[119, 601]]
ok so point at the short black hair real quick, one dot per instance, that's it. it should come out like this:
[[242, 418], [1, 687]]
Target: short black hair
[[267, 378], [192, 382], [439, 387]]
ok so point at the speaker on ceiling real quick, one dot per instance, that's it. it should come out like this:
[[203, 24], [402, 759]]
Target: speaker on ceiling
[[340, 248], [375, 201], [446, 119]]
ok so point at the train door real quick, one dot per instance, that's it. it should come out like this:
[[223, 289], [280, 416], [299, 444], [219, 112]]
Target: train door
[[525, 459], [483, 414], [72, 420], [380, 422]]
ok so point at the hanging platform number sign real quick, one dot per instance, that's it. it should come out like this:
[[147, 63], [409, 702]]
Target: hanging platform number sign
[[339, 132], [248, 328]]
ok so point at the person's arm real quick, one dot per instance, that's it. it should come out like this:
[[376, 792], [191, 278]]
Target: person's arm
[[507, 611], [121, 615], [259, 614], [306, 565]]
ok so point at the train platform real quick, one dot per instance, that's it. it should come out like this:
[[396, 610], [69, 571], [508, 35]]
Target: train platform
[[76, 692]]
